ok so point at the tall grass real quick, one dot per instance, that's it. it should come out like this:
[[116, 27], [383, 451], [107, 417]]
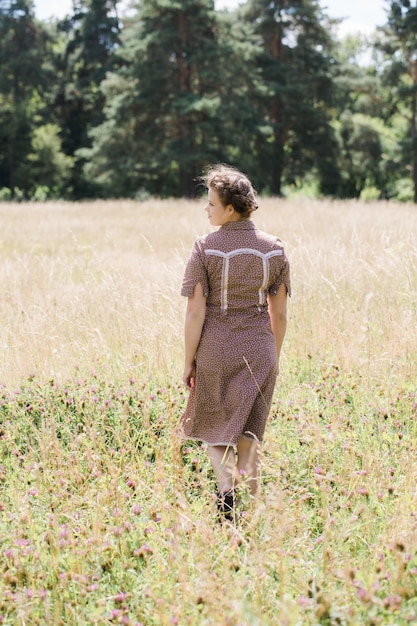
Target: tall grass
[[107, 517]]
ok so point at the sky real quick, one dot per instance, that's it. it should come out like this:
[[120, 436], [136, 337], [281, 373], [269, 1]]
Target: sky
[[360, 15]]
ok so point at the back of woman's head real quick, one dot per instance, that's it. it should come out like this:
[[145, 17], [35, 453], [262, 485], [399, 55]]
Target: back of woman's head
[[233, 188]]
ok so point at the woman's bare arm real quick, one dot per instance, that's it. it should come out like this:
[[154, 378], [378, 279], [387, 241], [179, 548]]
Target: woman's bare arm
[[194, 320], [277, 307]]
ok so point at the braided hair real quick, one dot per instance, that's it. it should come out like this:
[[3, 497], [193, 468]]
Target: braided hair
[[233, 188]]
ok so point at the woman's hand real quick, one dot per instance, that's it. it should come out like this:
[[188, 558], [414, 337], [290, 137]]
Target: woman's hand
[[188, 376]]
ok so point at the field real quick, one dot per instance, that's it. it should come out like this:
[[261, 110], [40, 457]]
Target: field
[[107, 518]]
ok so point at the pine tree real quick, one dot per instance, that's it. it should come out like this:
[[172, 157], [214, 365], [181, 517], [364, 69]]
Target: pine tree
[[22, 50], [297, 76], [91, 38], [398, 42], [178, 102]]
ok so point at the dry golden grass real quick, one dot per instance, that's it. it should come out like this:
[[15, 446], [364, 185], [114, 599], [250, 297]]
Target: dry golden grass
[[84, 284]]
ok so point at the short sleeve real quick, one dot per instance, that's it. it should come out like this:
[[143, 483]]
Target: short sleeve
[[279, 274], [195, 271]]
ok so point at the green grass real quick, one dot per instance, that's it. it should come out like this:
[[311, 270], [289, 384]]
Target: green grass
[[108, 518]]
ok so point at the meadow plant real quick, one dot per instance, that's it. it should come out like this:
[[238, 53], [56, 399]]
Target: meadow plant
[[107, 517]]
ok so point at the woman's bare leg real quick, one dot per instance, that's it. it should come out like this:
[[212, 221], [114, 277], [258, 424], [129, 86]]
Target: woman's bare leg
[[249, 463], [224, 465]]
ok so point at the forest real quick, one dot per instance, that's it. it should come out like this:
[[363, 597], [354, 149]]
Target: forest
[[135, 104]]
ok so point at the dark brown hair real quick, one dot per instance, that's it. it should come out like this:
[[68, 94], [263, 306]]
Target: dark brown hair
[[233, 188]]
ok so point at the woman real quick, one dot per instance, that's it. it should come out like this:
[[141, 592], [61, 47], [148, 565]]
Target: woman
[[237, 281]]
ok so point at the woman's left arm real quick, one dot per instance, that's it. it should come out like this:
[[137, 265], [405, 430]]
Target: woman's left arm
[[194, 320], [277, 307]]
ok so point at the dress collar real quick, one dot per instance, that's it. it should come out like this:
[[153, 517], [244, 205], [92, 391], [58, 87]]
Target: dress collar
[[242, 225]]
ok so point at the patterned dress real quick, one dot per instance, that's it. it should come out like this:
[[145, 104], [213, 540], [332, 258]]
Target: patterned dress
[[236, 362]]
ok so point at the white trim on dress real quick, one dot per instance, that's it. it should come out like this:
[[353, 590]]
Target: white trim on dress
[[226, 256]]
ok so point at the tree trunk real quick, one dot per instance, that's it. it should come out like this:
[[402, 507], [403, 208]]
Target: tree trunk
[[278, 148], [186, 183], [185, 126], [414, 147], [12, 178], [277, 119], [414, 142], [276, 173]]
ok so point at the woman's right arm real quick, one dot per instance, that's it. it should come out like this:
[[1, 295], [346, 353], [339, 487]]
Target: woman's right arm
[[194, 320]]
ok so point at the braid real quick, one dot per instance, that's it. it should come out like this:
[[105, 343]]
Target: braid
[[233, 188]]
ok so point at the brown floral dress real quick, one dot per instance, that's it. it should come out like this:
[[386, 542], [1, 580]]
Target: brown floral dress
[[236, 362]]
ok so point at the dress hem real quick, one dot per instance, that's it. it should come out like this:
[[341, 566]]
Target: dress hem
[[228, 444]]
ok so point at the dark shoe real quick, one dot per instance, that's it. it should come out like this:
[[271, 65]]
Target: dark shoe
[[226, 505]]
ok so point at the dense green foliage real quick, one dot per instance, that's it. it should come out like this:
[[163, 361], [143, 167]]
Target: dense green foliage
[[104, 105]]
